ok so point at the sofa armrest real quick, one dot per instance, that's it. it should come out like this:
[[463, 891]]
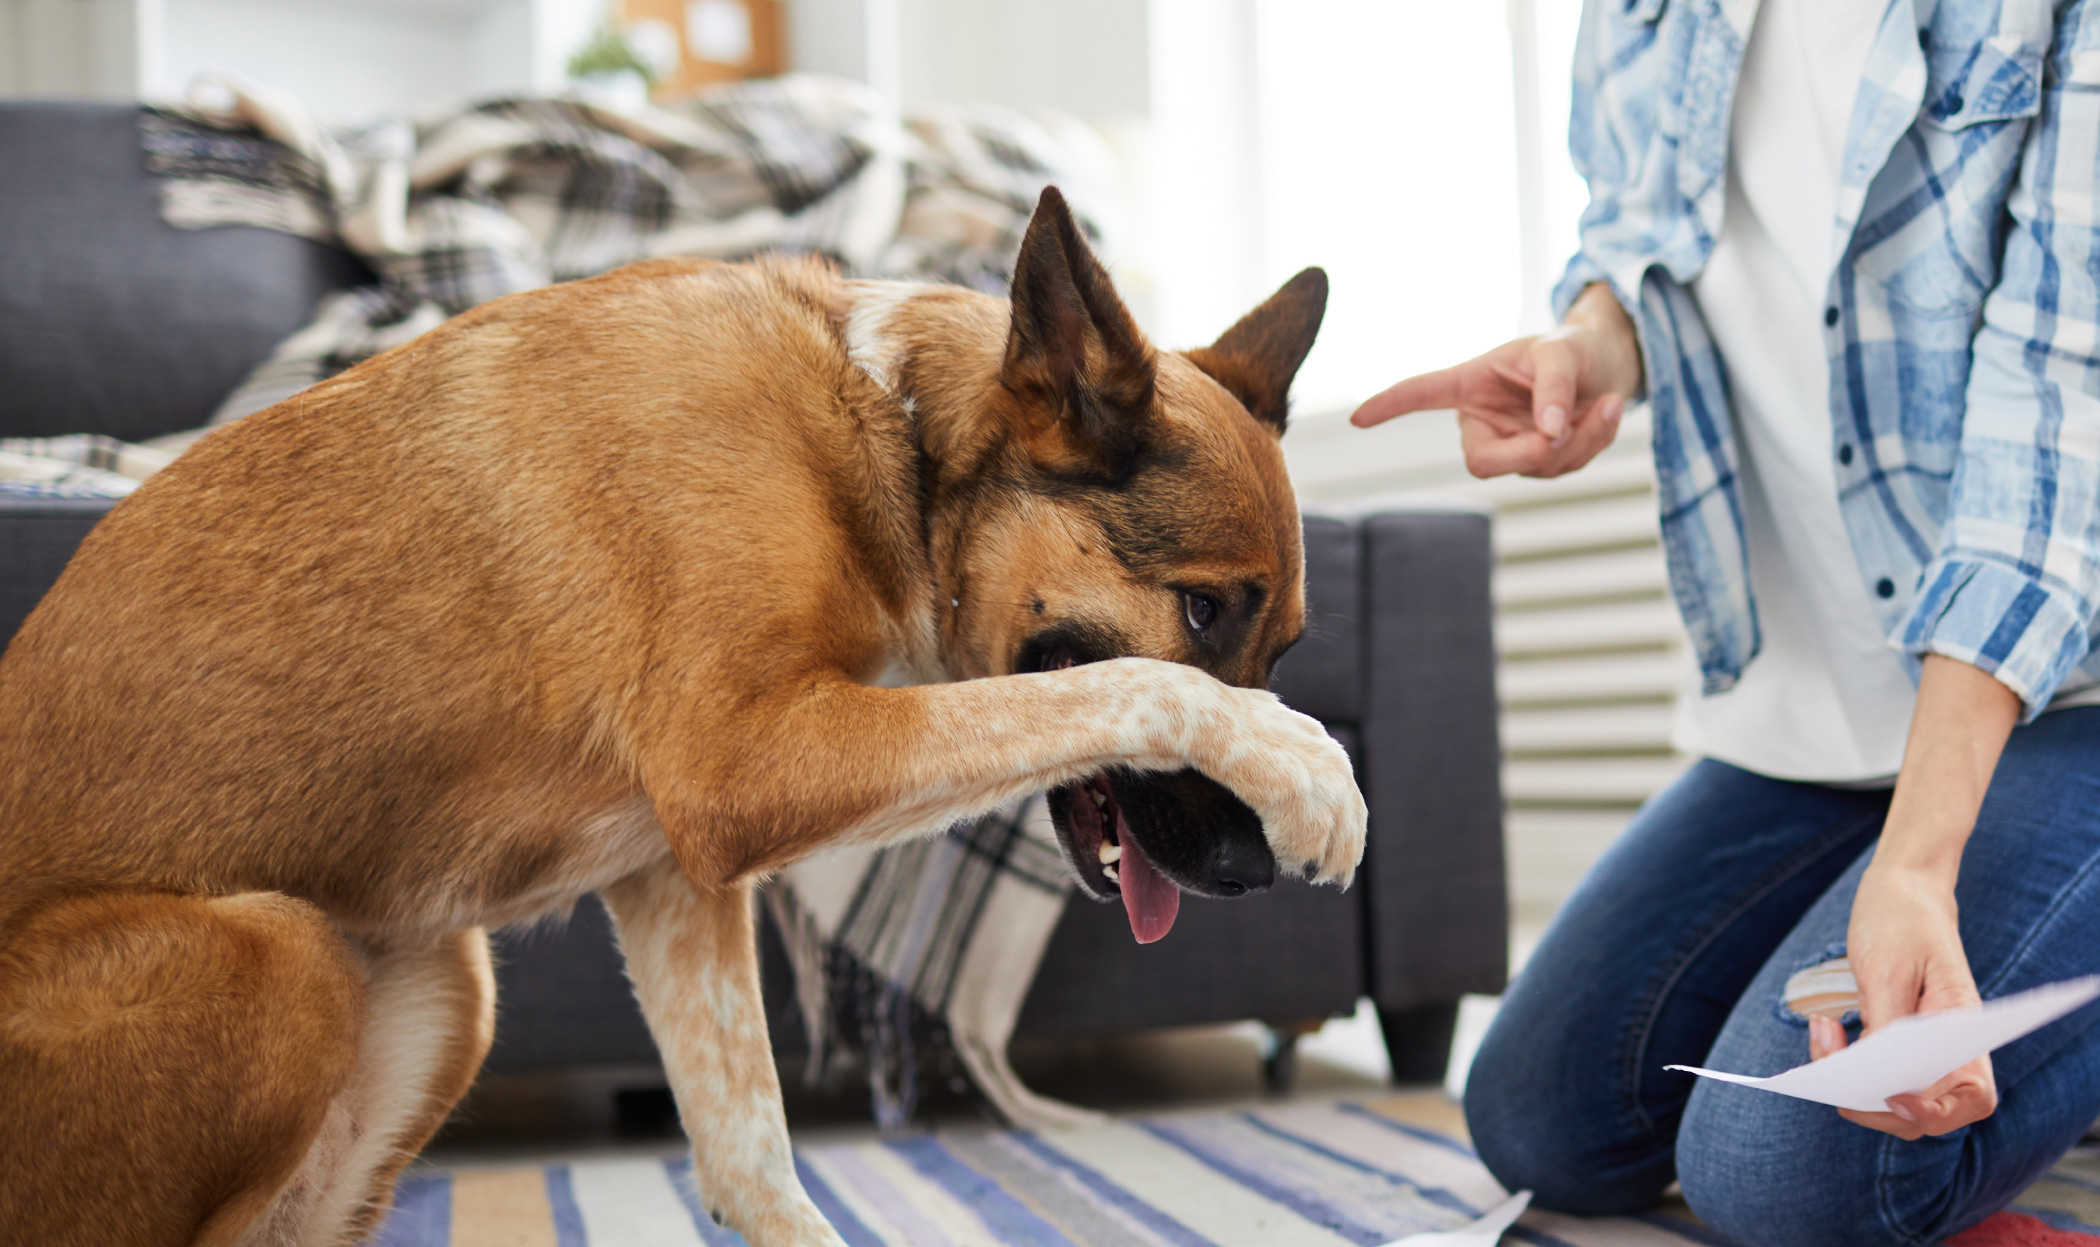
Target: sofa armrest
[[37, 536], [1433, 874]]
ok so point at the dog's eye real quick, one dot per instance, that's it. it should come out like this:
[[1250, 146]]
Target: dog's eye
[[1202, 610]]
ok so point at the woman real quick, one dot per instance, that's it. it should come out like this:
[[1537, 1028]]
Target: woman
[[1848, 251]]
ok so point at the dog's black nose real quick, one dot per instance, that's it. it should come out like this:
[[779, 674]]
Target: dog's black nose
[[1238, 868]]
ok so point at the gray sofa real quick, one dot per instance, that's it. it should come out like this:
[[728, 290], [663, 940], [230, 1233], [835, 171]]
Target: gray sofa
[[113, 322]]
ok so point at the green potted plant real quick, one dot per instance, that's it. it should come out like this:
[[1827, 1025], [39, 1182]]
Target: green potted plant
[[621, 61]]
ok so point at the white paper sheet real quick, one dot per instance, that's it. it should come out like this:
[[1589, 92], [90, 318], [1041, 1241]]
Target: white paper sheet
[[1912, 1053], [1485, 1232]]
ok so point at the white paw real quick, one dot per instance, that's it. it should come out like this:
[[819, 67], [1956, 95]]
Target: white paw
[[1281, 763], [1297, 778]]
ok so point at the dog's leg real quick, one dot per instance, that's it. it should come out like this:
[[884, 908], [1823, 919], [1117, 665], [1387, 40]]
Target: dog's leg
[[693, 956], [165, 1062], [428, 1024], [842, 762]]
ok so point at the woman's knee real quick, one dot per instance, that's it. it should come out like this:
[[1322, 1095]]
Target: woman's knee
[[1765, 1169], [1555, 1138]]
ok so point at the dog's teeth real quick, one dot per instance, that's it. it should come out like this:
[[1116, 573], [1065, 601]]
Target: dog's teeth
[[1111, 852], [1110, 871], [1100, 798]]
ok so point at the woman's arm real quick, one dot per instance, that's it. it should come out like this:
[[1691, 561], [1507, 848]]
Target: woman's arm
[[1904, 943], [2006, 607], [2014, 585]]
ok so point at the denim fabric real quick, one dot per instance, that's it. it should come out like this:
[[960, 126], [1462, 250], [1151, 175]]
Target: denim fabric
[[1959, 317], [1676, 950]]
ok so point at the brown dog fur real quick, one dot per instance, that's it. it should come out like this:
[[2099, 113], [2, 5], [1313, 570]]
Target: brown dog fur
[[596, 587]]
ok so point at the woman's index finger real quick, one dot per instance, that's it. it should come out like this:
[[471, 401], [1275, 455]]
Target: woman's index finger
[[1429, 391]]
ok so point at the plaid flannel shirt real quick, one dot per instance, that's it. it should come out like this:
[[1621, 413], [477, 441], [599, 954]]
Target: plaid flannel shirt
[[1961, 320]]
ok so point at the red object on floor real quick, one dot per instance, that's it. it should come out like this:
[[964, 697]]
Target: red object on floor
[[2017, 1229]]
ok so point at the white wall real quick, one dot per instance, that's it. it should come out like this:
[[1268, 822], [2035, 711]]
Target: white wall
[[1200, 189], [365, 57], [346, 62], [1389, 156], [1553, 195], [1093, 59], [854, 39], [1388, 142], [342, 58], [1086, 57], [1415, 149], [74, 48]]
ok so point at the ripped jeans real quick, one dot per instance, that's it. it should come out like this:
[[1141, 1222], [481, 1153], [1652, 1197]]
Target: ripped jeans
[[1678, 949]]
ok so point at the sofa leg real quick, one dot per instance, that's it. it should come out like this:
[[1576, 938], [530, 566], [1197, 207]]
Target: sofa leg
[[1418, 1040], [644, 1112], [1279, 1052], [1279, 1059]]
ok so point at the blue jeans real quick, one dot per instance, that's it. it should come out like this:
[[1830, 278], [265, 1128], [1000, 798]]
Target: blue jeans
[[1676, 950]]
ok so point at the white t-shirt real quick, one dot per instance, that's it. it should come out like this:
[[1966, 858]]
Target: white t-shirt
[[1826, 698]]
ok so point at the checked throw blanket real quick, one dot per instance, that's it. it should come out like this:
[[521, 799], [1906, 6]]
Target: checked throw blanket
[[927, 946], [508, 195], [512, 194]]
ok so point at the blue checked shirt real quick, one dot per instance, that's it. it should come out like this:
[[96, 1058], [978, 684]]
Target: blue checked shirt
[[1960, 317]]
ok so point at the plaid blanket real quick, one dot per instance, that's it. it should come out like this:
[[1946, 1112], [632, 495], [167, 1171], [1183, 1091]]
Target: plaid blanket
[[925, 947], [511, 194], [507, 195], [928, 947], [79, 465]]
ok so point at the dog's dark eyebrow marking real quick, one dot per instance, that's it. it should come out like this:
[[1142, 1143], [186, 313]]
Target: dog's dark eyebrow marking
[[1147, 461]]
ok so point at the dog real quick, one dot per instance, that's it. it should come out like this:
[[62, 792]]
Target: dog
[[649, 585]]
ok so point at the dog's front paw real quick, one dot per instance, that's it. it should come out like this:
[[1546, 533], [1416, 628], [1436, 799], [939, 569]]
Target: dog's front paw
[[1298, 779]]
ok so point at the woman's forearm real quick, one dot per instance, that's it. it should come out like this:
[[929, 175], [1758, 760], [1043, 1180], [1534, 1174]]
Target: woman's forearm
[[1962, 719], [1904, 939]]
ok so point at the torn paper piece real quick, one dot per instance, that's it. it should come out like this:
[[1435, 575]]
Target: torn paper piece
[[1485, 1232], [1912, 1053]]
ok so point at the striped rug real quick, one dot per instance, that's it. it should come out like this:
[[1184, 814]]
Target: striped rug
[[1331, 1174]]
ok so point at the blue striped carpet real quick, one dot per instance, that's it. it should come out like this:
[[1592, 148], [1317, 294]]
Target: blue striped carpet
[[1296, 1175], [1323, 1174]]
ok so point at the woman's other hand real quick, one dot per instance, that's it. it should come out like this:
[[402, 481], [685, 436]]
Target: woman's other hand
[[1539, 406], [1907, 956], [1905, 940]]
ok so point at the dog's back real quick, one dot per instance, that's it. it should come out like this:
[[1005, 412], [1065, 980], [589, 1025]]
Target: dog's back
[[385, 646]]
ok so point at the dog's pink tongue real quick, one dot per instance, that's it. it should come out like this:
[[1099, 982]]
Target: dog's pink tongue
[[1148, 896]]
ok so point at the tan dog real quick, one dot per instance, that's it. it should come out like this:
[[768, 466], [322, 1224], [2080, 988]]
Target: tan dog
[[649, 584]]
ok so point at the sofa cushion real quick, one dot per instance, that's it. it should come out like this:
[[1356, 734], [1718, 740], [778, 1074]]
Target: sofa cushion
[[1323, 675], [37, 539], [111, 320]]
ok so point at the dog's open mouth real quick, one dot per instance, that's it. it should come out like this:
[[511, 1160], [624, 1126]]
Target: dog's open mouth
[[1110, 862], [1196, 836]]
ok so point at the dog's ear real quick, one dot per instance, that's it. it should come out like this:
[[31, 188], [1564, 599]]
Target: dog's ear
[[1256, 358], [1074, 345]]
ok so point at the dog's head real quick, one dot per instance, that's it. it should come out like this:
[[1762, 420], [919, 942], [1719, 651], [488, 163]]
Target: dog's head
[[1135, 504]]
